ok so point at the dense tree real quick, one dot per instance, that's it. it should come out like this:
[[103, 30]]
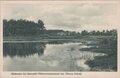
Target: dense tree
[[41, 24], [100, 33], [84, 32], [29, 28], [22, 27]]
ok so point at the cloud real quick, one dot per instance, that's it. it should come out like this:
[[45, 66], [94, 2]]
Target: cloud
[[63, 16]]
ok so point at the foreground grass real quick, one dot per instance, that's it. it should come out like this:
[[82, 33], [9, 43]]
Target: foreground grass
[[107, 46]]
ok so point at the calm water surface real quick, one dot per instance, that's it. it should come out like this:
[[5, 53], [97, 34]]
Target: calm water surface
[[46, 57]]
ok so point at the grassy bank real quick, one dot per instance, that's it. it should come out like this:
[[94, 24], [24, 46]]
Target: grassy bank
[[107, 45]]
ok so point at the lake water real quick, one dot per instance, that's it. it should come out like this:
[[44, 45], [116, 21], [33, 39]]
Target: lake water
[[39, 56]]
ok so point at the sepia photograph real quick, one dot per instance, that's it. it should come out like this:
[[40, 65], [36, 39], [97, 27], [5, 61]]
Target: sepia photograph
[[60, 36]]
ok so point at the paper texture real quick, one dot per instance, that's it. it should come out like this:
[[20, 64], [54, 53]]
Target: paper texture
[[66, 39]]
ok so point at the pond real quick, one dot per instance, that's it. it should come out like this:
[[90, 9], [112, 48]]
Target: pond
[[41, 56]]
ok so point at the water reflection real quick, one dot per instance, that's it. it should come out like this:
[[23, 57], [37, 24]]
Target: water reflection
[[46, 57], [23, 49]]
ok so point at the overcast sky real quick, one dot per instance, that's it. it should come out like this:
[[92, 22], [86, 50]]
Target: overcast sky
[[74, 16]]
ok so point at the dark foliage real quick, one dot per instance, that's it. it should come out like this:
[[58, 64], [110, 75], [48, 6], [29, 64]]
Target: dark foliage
[[102, 33], [22, 28], [29, 28]]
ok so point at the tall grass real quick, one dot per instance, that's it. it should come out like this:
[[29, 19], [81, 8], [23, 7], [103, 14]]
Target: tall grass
[[104, 63]]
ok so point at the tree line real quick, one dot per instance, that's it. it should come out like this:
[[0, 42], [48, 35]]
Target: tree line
[[104, 32], [29, 28], [22, 27]]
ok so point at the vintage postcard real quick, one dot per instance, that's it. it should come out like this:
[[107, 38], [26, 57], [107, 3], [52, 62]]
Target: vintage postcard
[[59, 39]]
